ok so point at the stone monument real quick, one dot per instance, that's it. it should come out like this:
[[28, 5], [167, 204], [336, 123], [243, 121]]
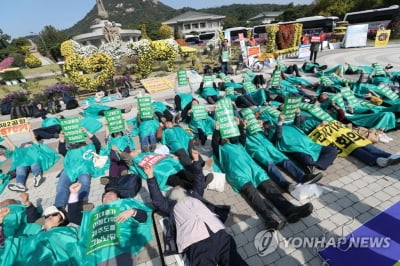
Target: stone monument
[[104, 31]]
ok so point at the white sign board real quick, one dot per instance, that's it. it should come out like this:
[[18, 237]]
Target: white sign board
[[356, 36], [304, 51]]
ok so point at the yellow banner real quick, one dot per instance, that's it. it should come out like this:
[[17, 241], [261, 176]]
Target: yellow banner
[[344, 139], [382, 37], [153, 85], [14, 126]]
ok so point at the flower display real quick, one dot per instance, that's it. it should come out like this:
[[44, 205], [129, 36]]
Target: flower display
[[298, 29], [60, 88], [69, 47], [115, 49], [120, 81], [285, 36], [271, 42], [17, 97], [186, 51], [76, 66], [32, 61], [6, 63]]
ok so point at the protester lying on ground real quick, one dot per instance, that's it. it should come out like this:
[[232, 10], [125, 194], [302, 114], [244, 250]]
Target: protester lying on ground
[[25, 243], [202, 126], [379, 120], [197, 226], [346, 141], [249, 179], [124, 142], [32, 213], [304, 151], [112, 233], [95, 110], [168, 171], [178, 141], [270, 158], [78, 166], [148, 132], [208, 89], [32, 157]]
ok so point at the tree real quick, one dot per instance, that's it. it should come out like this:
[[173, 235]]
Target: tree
[[4, 39], [49, 41], [293, 12], [144, 32], [166, 31]]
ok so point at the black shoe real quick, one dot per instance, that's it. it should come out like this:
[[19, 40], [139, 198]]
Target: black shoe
[[153, 147], [208, 179], [309, 169], [104, 180], [299, 212], [312, 178], [273, 222], [203, 139]]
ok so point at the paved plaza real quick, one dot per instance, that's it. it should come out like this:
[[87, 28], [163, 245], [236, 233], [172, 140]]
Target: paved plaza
[[353, 192]]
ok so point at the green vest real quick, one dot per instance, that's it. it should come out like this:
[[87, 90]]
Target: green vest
[[302, 142], [262, 150], [163, 169], [75, 165], [101, 238], [239, 167], [176, 138]]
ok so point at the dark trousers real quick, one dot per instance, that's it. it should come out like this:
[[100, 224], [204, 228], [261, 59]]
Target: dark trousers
[[245, 101], [46, 132], [183, 178], [212, 99], [184, 158], [178, 102], [326, 157], [167, 114], [313, 56], [218, 249], [368, 154], [271, 192], [293, 68]]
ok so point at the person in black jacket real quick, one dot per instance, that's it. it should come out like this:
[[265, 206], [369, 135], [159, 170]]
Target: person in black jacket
[[199, 232]]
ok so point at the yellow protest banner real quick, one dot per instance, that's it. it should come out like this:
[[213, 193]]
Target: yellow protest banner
[[13, 126], [153, 85], [344, 139], [382, 37]]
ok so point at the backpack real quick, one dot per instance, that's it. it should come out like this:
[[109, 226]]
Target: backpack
[[124, 92]]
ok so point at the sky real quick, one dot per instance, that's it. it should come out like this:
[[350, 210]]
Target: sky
[[20, 18]]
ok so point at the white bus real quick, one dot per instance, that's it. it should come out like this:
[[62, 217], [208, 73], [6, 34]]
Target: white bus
[[375, 18], [232, 34]]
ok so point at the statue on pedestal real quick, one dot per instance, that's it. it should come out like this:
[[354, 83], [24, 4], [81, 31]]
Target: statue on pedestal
[[101, 11]]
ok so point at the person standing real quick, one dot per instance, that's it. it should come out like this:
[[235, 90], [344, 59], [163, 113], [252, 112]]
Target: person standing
[[314, 48], [224, 56]]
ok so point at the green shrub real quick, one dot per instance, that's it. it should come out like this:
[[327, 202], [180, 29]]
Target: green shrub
[[19, 60], [11, 75]]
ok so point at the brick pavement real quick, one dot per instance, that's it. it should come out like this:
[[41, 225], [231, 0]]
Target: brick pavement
[[353, 190]]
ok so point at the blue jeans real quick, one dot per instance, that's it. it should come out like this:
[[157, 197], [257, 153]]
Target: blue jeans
[[148, 140], [23, 171], [288, 167], [224, 67], [62, 189], [292, 170], [368, 154]]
